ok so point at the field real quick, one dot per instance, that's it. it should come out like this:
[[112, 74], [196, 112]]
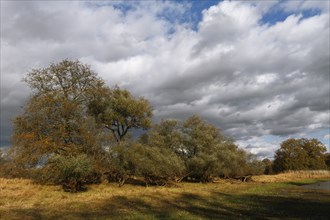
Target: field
[[264, 198]]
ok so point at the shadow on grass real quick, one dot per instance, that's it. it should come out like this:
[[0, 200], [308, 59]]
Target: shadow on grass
[[303, 205], [298, 184]]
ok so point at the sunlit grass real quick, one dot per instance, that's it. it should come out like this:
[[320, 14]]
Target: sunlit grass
[[22, 199], [293, 176]]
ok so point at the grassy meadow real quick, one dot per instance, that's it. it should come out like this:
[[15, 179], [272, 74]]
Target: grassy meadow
[[266, 197]]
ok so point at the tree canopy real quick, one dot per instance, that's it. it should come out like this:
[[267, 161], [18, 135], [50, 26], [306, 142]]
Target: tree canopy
[[300, 154], [117, 110], [204, 150]]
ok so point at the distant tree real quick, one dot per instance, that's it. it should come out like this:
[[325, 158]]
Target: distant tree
[[300, 154], [118, 111]]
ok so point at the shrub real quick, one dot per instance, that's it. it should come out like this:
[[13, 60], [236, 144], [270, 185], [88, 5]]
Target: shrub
[[156, 165], [71, 171]]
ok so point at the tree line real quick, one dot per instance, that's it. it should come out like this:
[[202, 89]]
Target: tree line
[[76, 130]]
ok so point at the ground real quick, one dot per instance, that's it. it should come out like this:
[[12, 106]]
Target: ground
[[260, 199]]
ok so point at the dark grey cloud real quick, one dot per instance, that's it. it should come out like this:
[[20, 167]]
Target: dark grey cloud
[[249, 78]]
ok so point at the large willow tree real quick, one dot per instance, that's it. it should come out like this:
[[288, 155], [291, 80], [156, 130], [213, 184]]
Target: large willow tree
[[70, 112], [55, 119]]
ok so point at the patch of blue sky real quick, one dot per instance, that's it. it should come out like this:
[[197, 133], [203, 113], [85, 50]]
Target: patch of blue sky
[[273, 16], [276, 14], [196, 10], [192, 16]]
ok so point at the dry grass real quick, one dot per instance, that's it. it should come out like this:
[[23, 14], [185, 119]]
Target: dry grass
[[22, 199], [293, 176]]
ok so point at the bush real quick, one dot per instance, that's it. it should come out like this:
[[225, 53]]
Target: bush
[[156, 165], [71, 171]]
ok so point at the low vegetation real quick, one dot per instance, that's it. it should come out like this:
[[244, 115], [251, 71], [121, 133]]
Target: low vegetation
[[226, 199]]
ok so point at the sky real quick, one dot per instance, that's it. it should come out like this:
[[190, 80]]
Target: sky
[[258, 70]]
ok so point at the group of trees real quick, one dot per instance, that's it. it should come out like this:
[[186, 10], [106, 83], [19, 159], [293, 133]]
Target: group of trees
[[76, 130]]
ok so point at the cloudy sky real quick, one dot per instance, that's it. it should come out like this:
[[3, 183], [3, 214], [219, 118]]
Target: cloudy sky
[[259, 70]]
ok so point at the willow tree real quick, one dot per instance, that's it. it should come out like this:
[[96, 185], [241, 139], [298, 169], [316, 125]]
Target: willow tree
[[55, 119], [204, 150]]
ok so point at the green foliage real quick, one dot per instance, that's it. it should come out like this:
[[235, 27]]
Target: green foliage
[[71, 171], [119, 111], [121, 165], [156, 165], [201, 137], [205, 152], [300, 154], [209, 153], [255, 166], [234, 161], [166, 134]]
